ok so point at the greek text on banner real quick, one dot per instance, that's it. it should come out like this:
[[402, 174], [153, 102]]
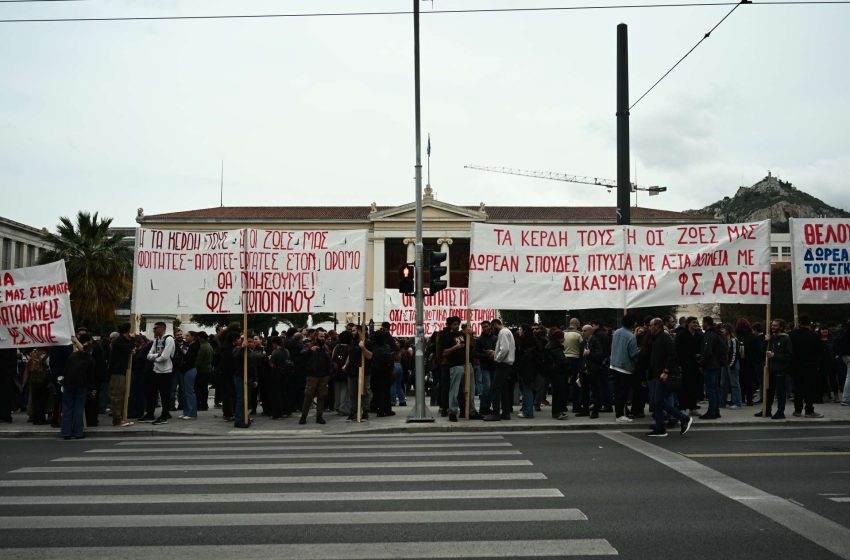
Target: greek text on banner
[[35, 307], [521, 267], [820, 255]]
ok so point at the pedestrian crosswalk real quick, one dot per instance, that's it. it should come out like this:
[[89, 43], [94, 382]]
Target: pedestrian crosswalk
[[362, 497]]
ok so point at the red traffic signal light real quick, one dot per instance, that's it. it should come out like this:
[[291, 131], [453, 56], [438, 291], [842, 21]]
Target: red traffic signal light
[[406, 284]]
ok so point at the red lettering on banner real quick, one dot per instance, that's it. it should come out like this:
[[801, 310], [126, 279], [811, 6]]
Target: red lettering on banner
[[342, 260], [279, 240], [746, 257], [40, 333], [742, 283], [551, 263], [495, 263], [544, 238], [503, 237], [596, 237], [215, 241], [631, 236], [822, 234], [296, 301], [610, 282], [7, 280], [741, 232], [697, 235], [315, 240], [826, 283]]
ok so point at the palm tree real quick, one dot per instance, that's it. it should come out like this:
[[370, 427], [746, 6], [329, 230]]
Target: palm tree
[[99, 266]]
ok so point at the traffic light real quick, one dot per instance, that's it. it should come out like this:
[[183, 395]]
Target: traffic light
[[405, 279], [437, 281]]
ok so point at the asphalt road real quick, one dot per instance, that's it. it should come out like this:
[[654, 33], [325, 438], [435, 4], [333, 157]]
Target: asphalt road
[[716, 493]]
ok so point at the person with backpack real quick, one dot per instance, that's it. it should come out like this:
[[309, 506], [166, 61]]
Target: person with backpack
[[161, 353]]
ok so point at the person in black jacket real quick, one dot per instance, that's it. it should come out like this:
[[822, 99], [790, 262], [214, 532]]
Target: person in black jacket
[[318, 370], [188, 374], [713, 357], [662, 367], [558, 373], [79, 382], [120, 352], [804, 364], [780, 355], [8, 367]]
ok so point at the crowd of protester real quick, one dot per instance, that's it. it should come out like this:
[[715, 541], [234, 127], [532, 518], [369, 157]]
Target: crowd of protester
[[663, 366]]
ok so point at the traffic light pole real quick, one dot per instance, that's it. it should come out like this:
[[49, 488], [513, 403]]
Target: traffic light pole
[[420, 412]]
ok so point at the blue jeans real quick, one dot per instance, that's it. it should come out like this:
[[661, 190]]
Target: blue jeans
[[731, 382], [486, 399], [527, 398], [239, 408], [659, 397], [456, 374], [397, 393], [190, 400], [712, 390], [73, 411]]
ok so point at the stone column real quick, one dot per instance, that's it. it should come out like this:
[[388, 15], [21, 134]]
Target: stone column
[[379, 275]]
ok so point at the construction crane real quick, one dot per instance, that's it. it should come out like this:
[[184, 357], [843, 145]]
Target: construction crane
[[555, 176]]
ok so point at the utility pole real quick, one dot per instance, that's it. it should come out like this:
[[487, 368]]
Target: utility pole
[[420, 412], [624, 185]]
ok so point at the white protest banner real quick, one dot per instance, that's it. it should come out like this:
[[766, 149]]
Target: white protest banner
[[400, 311], [542, 267], [711, 263], [305, 271], [539, 268], [820, 260], [184, 272], [35, 307]]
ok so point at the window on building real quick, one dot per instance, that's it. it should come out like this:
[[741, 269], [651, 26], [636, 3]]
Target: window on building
[[786, 251], [7, 254], [774, 251]]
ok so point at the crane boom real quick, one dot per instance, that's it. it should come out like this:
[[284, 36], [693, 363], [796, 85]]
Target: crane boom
[[555, 176]]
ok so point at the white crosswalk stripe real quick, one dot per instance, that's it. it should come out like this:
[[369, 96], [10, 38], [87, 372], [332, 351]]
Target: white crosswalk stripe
[[479, 484]]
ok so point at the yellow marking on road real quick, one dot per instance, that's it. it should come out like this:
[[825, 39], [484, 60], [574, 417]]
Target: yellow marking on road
[[766, 454]]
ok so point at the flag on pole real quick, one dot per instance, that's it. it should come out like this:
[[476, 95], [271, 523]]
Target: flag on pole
[[429, 146]]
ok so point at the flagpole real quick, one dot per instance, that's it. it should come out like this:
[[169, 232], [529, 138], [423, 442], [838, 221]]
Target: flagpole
[[429, 159]]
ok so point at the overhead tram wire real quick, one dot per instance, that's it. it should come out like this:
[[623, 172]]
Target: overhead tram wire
[[706, 36], [401, 12]]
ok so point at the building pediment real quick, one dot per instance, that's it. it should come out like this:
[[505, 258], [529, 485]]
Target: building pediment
[[431, 210]]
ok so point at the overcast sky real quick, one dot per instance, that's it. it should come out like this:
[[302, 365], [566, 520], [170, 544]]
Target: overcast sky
[[113, 116]]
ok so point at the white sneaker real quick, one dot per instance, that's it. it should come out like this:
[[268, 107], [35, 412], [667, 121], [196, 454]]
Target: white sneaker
[[521, 415], [624, 420], [734, 407]]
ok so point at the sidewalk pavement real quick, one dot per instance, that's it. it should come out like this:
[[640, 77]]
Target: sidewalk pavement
[[211, 423]]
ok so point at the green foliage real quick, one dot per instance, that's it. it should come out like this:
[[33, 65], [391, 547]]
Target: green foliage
[[99, 267]]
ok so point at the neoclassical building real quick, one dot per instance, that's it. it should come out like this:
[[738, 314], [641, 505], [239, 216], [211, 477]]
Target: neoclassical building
[[20, 244], [392, 229]]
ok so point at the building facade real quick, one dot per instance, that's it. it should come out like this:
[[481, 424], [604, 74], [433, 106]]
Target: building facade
[[20, 244]]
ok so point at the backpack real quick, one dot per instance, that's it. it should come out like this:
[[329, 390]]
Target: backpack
[[176, 355]]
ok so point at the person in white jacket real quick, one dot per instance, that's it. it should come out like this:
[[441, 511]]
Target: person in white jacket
[[161, 354], [501, 390]]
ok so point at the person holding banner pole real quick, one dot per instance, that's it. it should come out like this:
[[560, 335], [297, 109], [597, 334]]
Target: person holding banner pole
[[78, 383], [120, 370], [779, 359]]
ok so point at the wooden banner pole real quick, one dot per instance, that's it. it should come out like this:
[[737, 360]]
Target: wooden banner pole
[[796, 317], [467, 368], [766, 374], [128, 376], [245, 419], [361, 373]]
